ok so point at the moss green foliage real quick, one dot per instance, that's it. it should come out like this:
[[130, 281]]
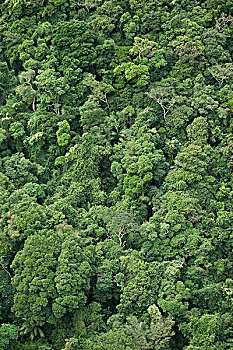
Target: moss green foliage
[[116, 184]]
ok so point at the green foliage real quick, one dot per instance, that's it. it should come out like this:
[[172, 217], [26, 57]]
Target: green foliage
[[8, 333], [135, 334], [116, 174], [72, 279], [33, 283], [62, 133]]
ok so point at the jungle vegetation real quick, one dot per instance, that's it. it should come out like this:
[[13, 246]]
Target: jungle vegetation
[[116, 186]]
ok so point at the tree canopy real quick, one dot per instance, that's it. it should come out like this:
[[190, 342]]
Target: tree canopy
[[116, 185]]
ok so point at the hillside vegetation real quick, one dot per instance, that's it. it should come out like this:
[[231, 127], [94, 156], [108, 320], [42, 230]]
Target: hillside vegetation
[[116, 187]]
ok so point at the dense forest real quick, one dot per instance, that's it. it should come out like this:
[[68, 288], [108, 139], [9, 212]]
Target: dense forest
[[116, 186]]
